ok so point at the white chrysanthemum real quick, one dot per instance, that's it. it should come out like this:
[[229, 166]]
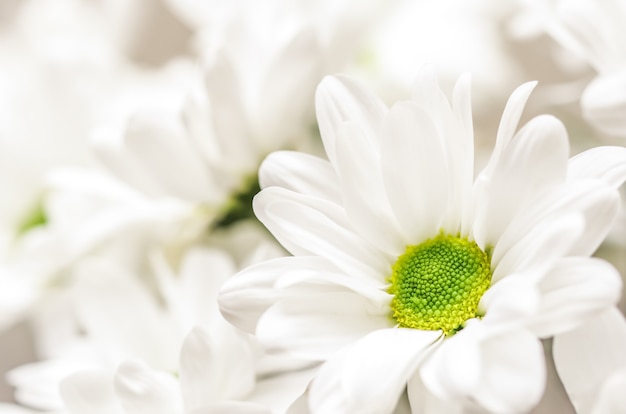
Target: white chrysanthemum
[[165, 351], [406, 268], [255, 58]]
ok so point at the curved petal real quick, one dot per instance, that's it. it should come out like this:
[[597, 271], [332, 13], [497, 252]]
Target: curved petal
[[586, 356], [339, 99], [604, 163], [283, 391], [346, 384], [415, 171], [313, 325], [214, 369], [364, 197], [423, 401], [248, 294], [141, 391], [228, 118], [591, 198], [514, 373], [160, 145], [119, 313], [603, 103], [280, 113], [90, 392], [574, 291], [307, 225], [109, 148], [509, 121], [511, 300], [454, 368], [541, 247], [302, 173], [461, 151], [611, 396], [535, 161]]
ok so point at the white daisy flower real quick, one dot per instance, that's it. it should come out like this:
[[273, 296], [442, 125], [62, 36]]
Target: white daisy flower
[[133, 339], [254, 57], [408, 272]]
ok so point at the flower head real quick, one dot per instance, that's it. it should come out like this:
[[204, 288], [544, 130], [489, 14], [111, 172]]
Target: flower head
[[407, 267]]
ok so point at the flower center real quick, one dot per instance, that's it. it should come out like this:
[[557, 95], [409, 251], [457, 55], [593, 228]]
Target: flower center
[[437, 284]]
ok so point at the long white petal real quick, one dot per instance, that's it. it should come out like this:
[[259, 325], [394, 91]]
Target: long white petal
[[588, 355], [346, 383], [605, 163], [300, 172], [364, 197], [574, 291], [535, 161], [509, 121], [141, 391], [514, 373], [339, 99], [306, 225], [415, 171], [90, 392], [314, 325]]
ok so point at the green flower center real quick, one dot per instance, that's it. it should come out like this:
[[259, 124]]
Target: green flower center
[[437, 284]]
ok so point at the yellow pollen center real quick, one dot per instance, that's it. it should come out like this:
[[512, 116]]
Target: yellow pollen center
[[437, 284]]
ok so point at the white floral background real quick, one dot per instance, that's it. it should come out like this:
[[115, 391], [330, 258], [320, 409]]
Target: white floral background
[[137, 274]]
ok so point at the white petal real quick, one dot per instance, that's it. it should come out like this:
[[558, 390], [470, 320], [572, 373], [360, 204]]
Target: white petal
[[509, 121], [36, 383], [214, 368], [427, 94], [283, 390], [611, 396], [308, 279], [365, 200], [245, 296], [591, 198], [605, 163], [314, 325], [535, 161], [415, 171], [202, 272], [511, 300], [280, 112], [142, 391], [514, 373], [346, 384], [461, 152], [90, 392], [339, 99], [454, 368], [574, 291], [227, 112], [117, 311], [109, 149], [307, 225], [248, 294], [603, 103], [160, 145], [424, 402], [300, 172], [541, 247], [588, 355]]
